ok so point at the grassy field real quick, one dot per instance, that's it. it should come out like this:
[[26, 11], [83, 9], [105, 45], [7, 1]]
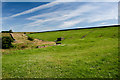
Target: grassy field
[[92, 56]]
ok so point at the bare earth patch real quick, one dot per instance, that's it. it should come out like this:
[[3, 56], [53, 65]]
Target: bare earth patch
[[22, 40]]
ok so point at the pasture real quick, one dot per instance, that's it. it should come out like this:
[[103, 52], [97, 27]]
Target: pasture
[[85, 53]]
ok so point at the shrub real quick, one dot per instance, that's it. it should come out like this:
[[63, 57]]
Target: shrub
[[23, 46], [30, 38], [5, 31], [10, 31], [6, 42]]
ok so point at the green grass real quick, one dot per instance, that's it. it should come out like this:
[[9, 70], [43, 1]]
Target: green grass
[[94, 56]]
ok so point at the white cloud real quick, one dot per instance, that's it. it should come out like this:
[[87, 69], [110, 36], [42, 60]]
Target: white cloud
[[87, 13], [103, 23], [49, 15], [111, 13], [36, 9], [65, 15], [68, 24], [56, 3]]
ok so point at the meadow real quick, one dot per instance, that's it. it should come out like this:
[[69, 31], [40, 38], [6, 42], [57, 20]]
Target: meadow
[[84, 53]]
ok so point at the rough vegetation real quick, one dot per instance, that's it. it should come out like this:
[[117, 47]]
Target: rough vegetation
[[30, 38], [21, 41], [7, 42]]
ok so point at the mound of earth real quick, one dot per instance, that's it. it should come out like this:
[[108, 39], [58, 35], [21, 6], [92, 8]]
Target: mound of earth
[[21, 39]]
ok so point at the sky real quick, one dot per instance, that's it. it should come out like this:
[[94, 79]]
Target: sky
[[48, 16], [60, 0]]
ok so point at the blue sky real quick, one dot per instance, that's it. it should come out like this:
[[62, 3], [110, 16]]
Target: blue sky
[[47, 16]]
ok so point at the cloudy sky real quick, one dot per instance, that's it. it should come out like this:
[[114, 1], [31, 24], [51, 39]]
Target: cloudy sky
[[47, 16]]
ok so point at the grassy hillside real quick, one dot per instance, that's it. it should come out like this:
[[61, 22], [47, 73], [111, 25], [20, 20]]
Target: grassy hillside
[[94, 56]]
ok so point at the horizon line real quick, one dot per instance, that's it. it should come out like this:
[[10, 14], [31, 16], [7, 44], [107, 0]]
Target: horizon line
[[77, 28]]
